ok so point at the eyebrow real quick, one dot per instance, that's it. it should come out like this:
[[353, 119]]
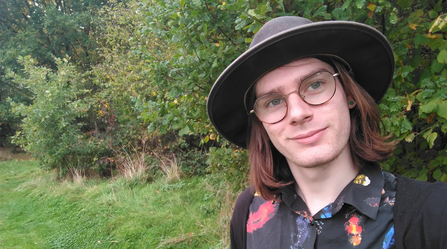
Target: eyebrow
[[297, 81]]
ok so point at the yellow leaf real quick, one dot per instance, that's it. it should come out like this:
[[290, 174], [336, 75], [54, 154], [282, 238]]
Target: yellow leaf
[[430, 36], [407, 45], [217, 44], [413, 26], [440, 22], [371, 6], [409, 104]]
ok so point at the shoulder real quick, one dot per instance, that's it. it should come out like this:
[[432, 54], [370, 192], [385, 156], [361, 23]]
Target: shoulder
[[420, 193], [243, 204], [420, 214], [238, 231]]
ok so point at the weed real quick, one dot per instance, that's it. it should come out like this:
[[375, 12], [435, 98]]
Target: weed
[[77, 175], [132, 166], [169, 167]]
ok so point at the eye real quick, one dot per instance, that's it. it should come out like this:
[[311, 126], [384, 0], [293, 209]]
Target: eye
[[314, 85], [274, 102]]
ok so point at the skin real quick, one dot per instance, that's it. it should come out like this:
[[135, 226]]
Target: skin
[[313, 139]]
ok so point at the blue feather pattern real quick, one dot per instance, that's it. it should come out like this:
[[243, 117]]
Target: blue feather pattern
[[388, 242]]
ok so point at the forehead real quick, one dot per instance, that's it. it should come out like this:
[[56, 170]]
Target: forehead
[[293, 72]]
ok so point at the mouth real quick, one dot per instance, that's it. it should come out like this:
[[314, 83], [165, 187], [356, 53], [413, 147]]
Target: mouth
[[309, 137]]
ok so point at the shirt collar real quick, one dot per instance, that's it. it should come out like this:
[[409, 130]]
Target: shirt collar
[[363, 193]]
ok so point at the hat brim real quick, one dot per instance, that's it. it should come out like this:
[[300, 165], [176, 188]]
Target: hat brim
[[364, 48]]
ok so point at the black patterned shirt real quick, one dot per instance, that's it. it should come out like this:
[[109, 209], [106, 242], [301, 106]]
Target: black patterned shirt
[[360, 217]]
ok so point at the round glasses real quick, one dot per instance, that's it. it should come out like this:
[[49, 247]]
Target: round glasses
[[316, 89]]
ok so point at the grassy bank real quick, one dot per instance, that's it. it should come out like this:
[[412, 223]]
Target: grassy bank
[[37, 211]]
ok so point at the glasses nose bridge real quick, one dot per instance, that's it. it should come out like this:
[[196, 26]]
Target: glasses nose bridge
[[286, 96], [294, 91]]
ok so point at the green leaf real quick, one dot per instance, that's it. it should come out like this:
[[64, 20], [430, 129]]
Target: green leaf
[[405, 126], [404, 3], [433, 14], [442, 56], [437, 67], [444, 128], [429, 107], [255, 15], [359, 3], [422, 175], [444, 177], [437, 174], [185, 131], [442, 109], [393, 18], [409, 138], [420, 39], [431, 139]]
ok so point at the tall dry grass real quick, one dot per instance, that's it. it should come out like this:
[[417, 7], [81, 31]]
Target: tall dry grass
[[169, 167]]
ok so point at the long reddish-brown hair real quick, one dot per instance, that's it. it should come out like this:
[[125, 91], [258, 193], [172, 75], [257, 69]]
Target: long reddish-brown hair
[[269, 170]]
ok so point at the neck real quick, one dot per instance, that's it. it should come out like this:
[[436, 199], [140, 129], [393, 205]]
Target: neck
[[318, 186]]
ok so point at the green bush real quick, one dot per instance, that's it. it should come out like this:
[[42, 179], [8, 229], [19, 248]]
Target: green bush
[[52, 125]]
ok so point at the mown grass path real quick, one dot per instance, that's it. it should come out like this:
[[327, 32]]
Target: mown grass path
[[37, 211]]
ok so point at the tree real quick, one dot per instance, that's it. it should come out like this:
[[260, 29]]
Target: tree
[[44, 30]]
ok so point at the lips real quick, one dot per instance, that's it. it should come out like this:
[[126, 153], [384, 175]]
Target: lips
[[309, 137]]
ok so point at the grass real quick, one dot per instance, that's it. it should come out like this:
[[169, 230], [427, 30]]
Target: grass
[[38, 211]]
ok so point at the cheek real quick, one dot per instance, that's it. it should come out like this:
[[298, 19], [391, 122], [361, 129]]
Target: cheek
[[273, 131]]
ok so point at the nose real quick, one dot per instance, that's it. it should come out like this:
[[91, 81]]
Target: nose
[[298, 111]]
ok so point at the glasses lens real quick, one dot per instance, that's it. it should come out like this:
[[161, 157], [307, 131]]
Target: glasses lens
[[270, 108], [318, 88], [314, 90]]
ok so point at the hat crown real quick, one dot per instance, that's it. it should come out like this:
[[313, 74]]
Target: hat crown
[[276, 26]]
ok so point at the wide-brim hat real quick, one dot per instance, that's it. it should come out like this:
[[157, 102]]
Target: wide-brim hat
[[285, 39]]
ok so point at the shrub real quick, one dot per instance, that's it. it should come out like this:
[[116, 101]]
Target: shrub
[[52, 125]]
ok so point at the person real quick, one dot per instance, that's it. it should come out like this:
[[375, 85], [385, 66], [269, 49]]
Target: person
[[303, 100]]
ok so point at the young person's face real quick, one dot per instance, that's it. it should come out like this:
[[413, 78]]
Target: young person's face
[[308, 136]]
